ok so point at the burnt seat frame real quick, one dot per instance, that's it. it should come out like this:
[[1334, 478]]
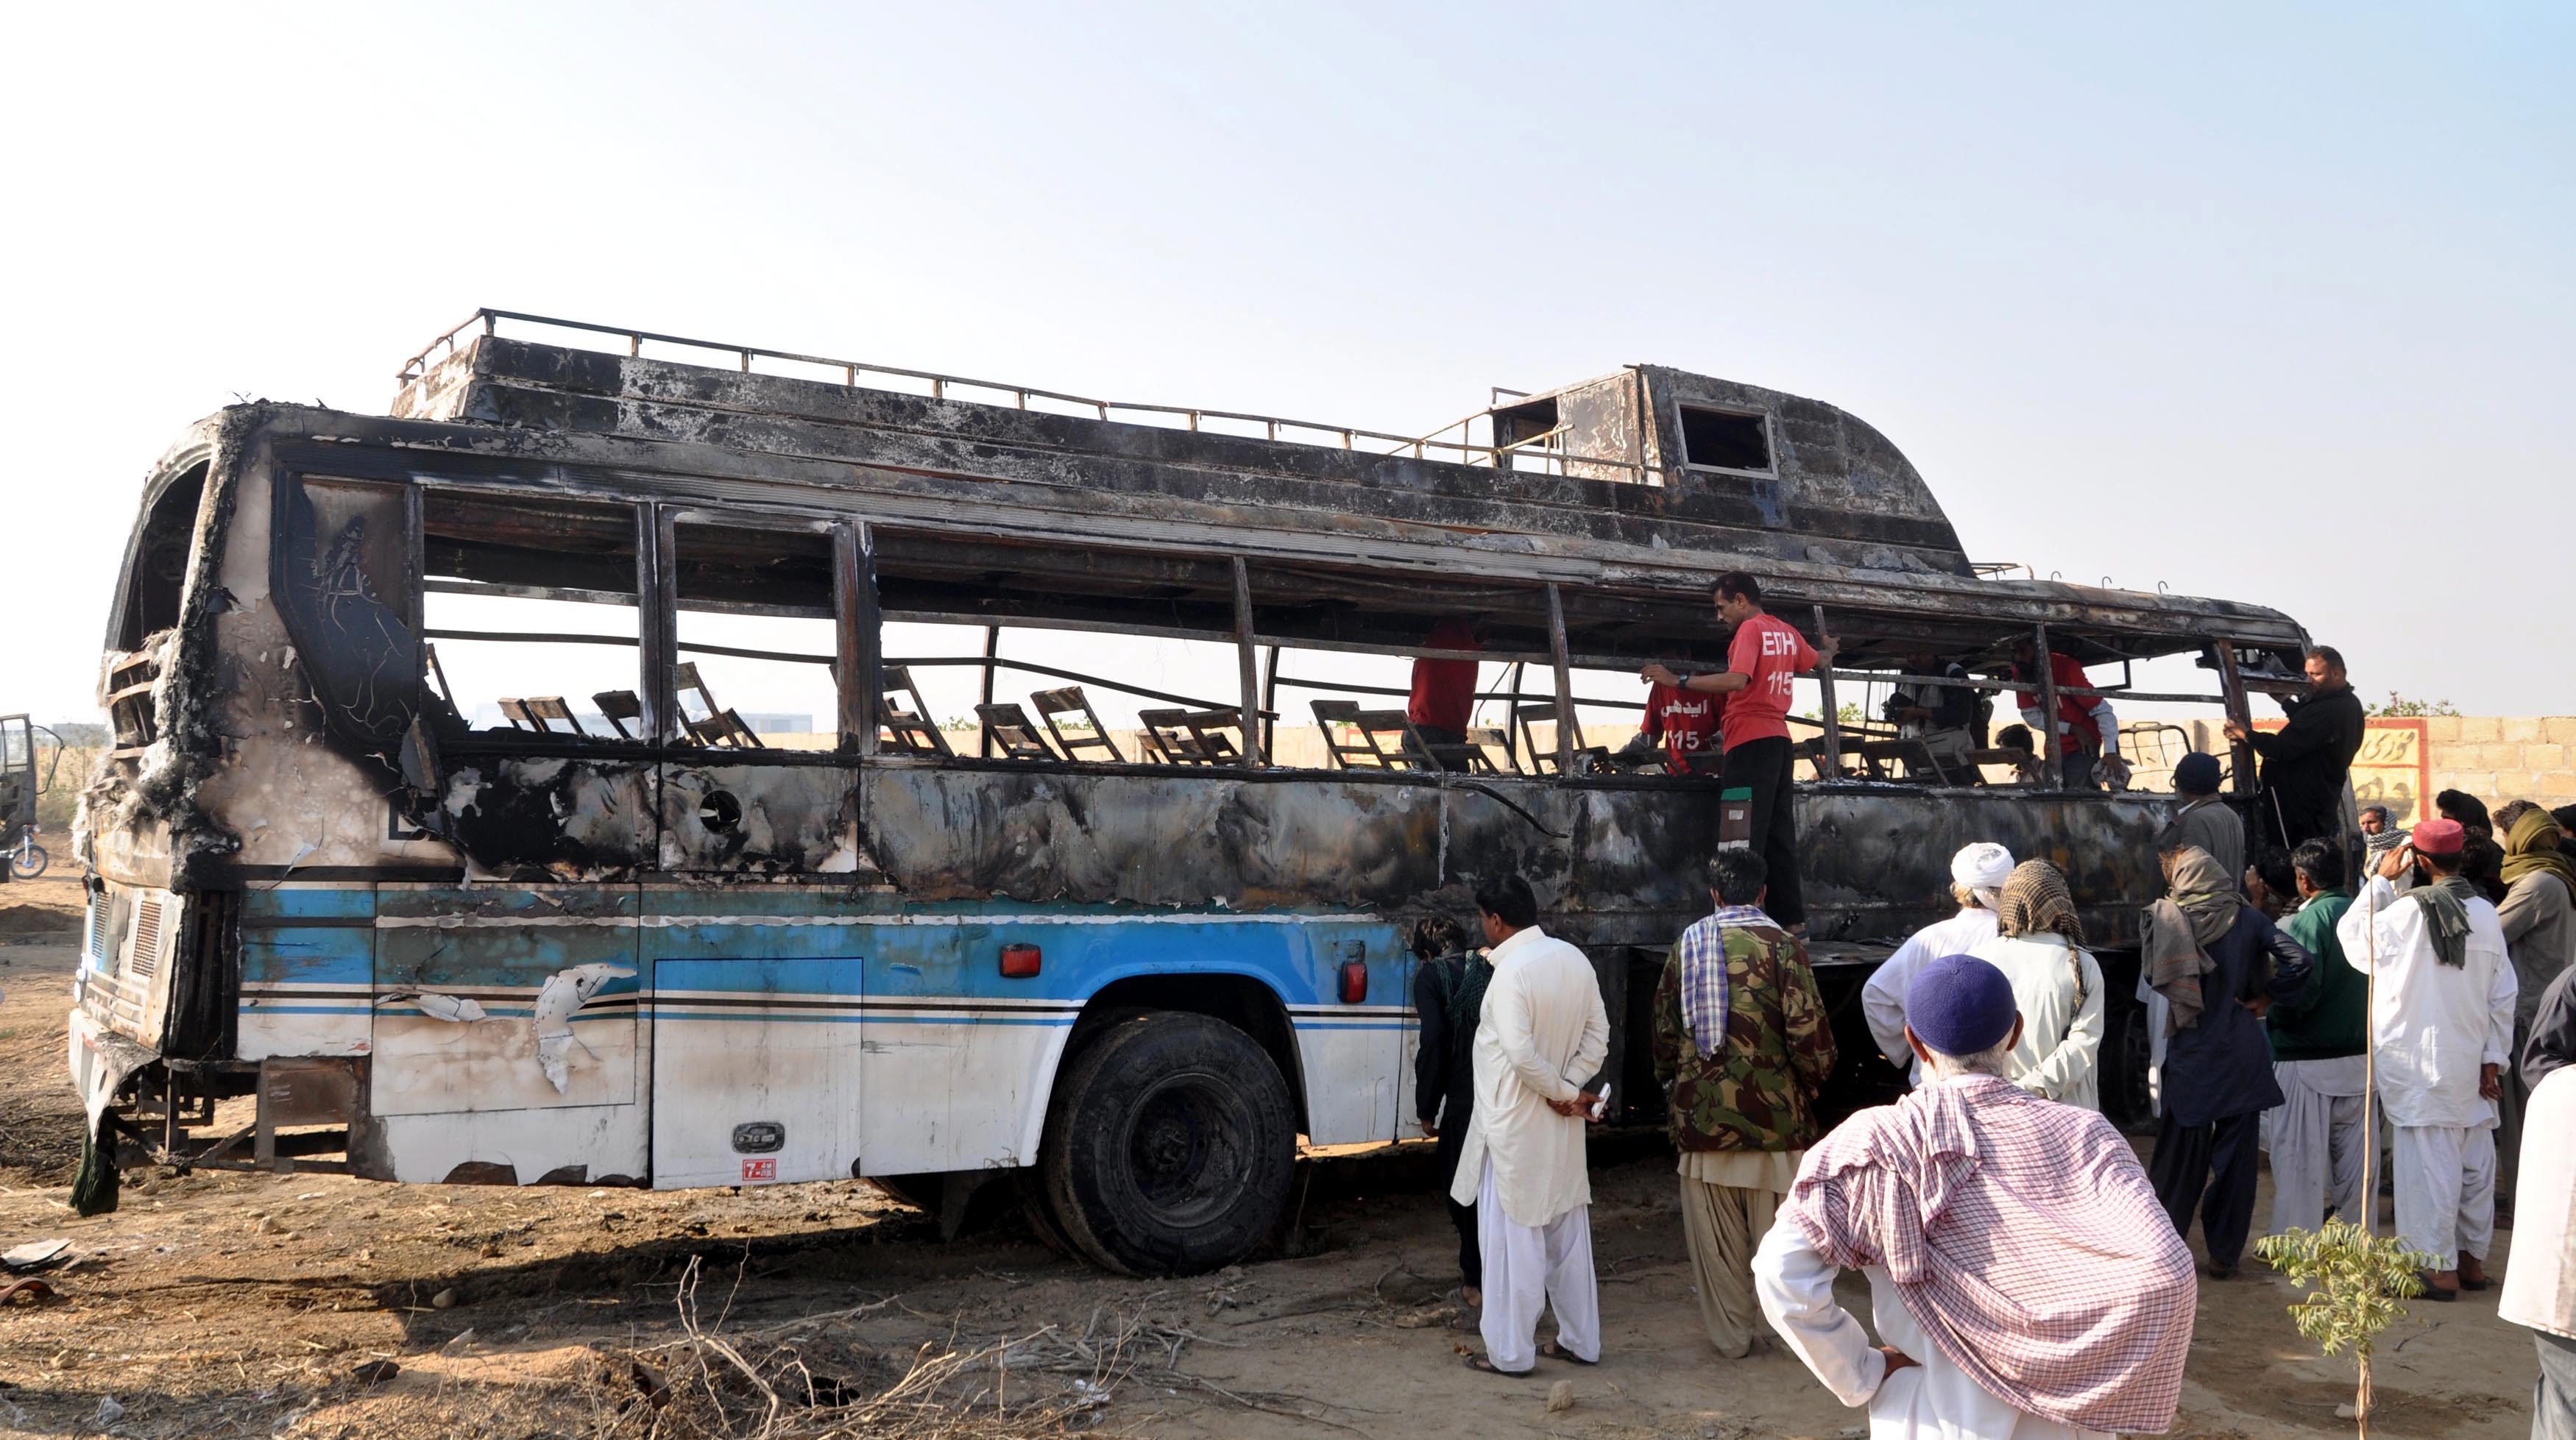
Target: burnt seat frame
[[1009, 727], [1193, 737], [1070, 700]]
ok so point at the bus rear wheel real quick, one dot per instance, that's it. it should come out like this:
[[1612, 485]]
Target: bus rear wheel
[[1170, 1142]]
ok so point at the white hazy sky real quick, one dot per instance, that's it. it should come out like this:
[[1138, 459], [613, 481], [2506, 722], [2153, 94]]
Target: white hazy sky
[[2272, 302]]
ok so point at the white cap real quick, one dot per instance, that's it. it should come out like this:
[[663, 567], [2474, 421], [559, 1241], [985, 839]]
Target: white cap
[[1982, 866]]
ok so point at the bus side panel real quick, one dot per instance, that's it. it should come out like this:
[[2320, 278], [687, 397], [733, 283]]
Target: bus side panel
[[1357, 1057], [308, 967], [755, 1065], [960, 1063], [495, 998], [756, 1032]]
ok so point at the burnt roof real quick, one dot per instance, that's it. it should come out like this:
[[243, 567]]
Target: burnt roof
[[1605, 499]]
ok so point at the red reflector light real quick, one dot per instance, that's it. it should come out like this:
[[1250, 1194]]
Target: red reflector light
[[1019, 962], [1354, 981]]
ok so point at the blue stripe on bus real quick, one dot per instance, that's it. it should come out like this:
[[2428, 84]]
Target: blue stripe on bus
[[956, 954], [319, 956], [357, 902]]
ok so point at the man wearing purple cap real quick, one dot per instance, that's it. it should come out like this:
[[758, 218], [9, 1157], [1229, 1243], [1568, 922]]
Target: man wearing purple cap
[[2442, 1024], [2021, 1272]]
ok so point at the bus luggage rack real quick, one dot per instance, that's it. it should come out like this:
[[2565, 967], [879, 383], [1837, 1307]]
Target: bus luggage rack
[[1537, 454]]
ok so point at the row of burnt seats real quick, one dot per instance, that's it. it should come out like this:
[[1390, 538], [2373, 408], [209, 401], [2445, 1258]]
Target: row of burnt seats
[[720, 725], [1068, 728]]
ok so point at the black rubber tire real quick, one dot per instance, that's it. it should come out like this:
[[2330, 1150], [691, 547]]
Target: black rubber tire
[[1170, 1142], [33, 864]]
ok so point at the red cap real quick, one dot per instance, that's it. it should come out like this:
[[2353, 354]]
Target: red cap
[[2439, 837]]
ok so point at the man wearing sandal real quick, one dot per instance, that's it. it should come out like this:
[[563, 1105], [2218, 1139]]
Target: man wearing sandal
[[1541, 1034]]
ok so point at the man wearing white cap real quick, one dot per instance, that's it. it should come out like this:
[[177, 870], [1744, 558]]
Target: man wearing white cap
[[1977, 876]]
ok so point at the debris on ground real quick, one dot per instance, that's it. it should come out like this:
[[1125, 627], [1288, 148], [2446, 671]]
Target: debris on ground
[[36, 1255]]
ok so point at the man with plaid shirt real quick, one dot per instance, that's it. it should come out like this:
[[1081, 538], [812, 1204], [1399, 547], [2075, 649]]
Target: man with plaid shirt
[[2021, 1273], [1742, 1046]]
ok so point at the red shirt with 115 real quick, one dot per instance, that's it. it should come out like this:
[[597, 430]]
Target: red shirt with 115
[[1769, 652], [1685, 720]]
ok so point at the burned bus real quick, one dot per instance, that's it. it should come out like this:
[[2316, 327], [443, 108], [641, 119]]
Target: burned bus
[[353, 907]]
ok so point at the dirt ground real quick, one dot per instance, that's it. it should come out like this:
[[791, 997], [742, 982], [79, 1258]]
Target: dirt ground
[[232, 1304]]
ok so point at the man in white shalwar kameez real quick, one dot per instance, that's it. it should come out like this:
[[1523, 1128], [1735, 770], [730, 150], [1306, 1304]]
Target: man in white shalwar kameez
[[1541, 1034], [2540, 1279], [2442, 1027], [2024, 1280], [1977, 876]]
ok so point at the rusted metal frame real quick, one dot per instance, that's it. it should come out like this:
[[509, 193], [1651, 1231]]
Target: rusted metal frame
[[420, 363], [857, 639], [1270, 687], [992, 654], [1943, 595], [1076, 676], [657, 619], [509, 590], [1511, 722], [679, 647], [1021, 394], [1989, 682], [1256, 750], [1826, 707], [1407, 652], [1565, 724], [2052, 751], [2240, 753]]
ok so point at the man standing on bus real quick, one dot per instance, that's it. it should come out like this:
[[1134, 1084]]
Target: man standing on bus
[[1542, 1034], [1763, 661]]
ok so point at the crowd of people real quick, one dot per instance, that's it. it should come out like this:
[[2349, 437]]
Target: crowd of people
[[2028, 1275]]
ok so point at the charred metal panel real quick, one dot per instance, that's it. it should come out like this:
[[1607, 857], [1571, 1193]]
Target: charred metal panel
[[1185, 838], [548, 388], [535, 817], [342, 558], [1875, 858], [751, 818], [1848, 496], [1600, 421]]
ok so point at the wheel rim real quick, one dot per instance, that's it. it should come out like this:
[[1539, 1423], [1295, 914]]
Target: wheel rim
[[1184, 1149]]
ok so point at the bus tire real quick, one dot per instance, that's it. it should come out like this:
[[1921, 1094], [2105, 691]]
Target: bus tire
[[1170, 1141]]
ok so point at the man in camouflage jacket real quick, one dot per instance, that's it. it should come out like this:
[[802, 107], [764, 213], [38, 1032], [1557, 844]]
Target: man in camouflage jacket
[[1742, 1046]]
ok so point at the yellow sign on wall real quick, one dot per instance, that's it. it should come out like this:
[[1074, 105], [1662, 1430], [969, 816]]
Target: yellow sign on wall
[[2394, 768]]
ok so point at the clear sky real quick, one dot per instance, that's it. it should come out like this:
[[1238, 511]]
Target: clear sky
[[2272, 302]]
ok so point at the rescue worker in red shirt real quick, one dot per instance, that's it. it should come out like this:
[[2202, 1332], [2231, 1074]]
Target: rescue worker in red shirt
[[1444, 691], [1764, 657], [2086, 728], [1683, 724]]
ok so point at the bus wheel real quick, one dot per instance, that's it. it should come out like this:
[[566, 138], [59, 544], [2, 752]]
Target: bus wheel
[[1170, 1142]]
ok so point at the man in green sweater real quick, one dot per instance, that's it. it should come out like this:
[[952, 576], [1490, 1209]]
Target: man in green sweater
[[1742, 1046], [2323, 1126]]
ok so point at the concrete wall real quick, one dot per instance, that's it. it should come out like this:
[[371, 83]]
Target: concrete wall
[[2500, 758]]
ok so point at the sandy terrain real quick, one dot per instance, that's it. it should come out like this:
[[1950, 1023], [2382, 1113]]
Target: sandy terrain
[[229, 1304]]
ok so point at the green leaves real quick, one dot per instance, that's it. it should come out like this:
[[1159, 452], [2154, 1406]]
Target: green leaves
[[2352, 1282]]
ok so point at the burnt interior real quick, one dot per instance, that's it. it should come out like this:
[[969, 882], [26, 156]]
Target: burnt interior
[[157, 570]]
